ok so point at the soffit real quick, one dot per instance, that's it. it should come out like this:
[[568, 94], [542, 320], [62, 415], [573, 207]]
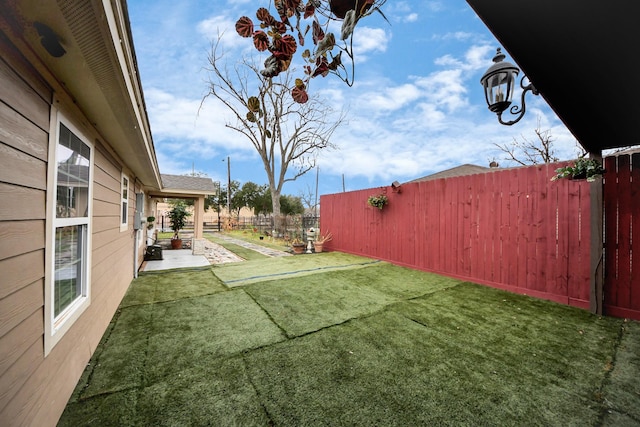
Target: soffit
[[98, 71], [581, 56]]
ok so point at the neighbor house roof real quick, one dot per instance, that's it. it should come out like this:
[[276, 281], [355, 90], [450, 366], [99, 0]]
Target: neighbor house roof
[[466, 169]]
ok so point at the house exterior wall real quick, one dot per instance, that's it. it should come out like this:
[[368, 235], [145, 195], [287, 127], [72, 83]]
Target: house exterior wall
[[34, 386]]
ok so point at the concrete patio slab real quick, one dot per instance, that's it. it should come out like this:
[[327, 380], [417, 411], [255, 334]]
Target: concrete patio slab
[[176, 258]]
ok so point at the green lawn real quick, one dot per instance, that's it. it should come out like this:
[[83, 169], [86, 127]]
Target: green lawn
[[336, 340], [242, 252]]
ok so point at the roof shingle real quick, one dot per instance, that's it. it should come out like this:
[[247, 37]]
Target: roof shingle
[[188, 183]]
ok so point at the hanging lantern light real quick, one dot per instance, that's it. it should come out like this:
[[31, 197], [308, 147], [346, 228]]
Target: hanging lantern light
[[499, 84]]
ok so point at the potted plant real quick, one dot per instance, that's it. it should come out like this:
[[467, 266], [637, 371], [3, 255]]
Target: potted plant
[[298, 246], [177, 219], [321, 239], [378, 201], [583, 168]]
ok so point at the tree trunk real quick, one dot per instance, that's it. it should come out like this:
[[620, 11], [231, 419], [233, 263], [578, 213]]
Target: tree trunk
[[275, 205]]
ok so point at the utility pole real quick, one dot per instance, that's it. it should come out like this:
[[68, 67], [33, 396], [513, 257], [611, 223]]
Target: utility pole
[[229, 185], [219, 208], [315, 203]]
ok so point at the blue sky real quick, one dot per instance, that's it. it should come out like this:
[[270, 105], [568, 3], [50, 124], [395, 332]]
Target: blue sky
[[416, 107]]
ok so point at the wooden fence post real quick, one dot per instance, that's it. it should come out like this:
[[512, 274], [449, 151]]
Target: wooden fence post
[[597, 271]]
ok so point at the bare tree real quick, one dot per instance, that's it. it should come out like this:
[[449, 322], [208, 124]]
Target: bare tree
[[308, 197], [287, 135], [528, 152]]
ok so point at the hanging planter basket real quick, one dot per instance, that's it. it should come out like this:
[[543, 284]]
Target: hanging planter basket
[[379, 201], [340, 7], [582, 169]]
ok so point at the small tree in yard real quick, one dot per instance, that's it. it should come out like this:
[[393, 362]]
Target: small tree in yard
[[287, 135], [178, 218], [291, 205]]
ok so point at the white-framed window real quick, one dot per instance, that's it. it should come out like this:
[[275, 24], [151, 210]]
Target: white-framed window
[[124, 202], [67, 292]]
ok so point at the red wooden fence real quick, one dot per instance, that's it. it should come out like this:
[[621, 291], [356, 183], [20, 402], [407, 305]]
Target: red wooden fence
[[622, 236], [512, 229]]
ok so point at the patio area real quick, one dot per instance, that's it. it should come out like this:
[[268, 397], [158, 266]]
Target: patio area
[[334, 339]]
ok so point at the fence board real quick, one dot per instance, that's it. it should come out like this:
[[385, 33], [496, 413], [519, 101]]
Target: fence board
[[529, 215], [635, 237], [562, 273], [433, 191], [611, 231], [622, 235], [523, 206], [512, 252], [494, 228], [465, 226], [573, 235], [624, 231], [581, 295], [548, 240], [484, 221], [412, 208], [505, 225]]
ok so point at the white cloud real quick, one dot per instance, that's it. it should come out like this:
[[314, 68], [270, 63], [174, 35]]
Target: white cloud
[[476, 57], [391, 98], [366, 39], [445, 88], [224, 27], [461, 36], [412, 17], [182, 127]]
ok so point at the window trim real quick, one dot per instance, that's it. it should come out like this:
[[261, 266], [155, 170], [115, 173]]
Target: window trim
[[56, 328], [124, 222]]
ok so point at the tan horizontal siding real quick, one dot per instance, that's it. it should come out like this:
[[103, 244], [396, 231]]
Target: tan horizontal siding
[[103, 252], [19, 271], [19, 372], [48, 388], [105, 276], [22, 169], [106, 194], [19, 237], [24, 70], [102, 224], [105, 171], [17, 93], [106, 238], [24, 117], [108, 209], [20, 305], [111, 274], [20, 203], [18, 132], [16, 341]]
